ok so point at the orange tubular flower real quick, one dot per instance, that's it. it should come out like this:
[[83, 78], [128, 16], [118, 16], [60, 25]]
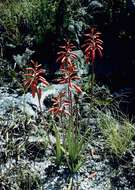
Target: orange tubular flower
[[33, 77], [66, 55], [59, 105], [92, 44], [69, 74]]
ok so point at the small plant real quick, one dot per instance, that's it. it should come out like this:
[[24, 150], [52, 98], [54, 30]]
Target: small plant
[[118, 135], [20, 177], [69, 148], [70, 151], [74, 148], [60, 110], [33, 77], [58, 149]]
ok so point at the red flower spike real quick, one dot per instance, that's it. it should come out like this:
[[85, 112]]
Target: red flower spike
[[70, 74], [59, 105], [92, 45], [66, 55], [33, 77]]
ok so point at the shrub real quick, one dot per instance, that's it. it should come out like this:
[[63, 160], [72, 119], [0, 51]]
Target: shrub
[[34, 17]]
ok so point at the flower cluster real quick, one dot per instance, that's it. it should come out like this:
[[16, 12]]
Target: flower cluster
[[70, 75], [66, 55], [33, 76], [60, 104], [92, 45]]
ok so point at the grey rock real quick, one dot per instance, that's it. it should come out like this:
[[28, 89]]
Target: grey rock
[[88, 122], [133, 2], [22, 60], [95, 4], [26, 103], [81, 63]]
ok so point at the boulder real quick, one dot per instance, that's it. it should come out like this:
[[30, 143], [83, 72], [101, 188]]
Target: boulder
[[80, 62], [26, 103]]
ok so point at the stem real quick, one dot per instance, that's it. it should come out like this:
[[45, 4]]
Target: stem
[[92, 78], [61, 123], [93, 69], [70, 106], [77, 121], [39, 102]]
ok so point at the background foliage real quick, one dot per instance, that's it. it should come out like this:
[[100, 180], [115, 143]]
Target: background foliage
[[33, 17]]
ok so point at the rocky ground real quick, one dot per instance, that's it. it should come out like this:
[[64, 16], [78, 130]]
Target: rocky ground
[[24, 150]]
